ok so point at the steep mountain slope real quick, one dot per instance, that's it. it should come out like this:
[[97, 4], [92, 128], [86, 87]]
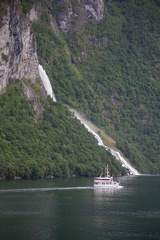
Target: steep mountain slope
[[109, 68], [37, 137], [56, 145], [102, 57]]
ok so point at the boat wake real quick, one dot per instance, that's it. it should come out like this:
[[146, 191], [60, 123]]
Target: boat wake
[[43, 189], [119, 187]]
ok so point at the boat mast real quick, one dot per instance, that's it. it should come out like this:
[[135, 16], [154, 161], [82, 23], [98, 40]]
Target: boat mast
[[106, 171]]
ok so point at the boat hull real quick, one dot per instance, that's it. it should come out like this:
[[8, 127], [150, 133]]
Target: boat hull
[[106, 182]]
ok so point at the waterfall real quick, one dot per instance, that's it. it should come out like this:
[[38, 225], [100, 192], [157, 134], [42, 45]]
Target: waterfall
[[46, 82], [100, 142], [48, 87], [117, 155]]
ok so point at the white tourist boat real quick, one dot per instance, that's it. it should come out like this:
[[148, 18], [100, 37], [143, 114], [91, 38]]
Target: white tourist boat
[[105, 181]]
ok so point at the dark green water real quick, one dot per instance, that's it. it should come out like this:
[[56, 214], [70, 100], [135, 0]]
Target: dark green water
[[71, 209]]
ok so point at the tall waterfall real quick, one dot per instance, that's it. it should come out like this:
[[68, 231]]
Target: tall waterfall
[[46, 82], [117, 155], [48, 87]]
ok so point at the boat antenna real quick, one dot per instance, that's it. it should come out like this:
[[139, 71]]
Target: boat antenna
[[106, 171]]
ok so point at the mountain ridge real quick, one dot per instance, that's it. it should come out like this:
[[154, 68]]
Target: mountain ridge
[[104, 63]]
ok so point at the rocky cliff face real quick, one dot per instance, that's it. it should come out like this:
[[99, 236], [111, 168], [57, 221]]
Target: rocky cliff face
[[18, 57], [83, 10]]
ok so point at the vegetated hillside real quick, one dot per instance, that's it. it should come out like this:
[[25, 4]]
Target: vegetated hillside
[[56, 145], [110, 70], [38, 138]]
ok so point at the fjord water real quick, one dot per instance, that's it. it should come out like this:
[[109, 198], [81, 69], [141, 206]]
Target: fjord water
[[66, 209]]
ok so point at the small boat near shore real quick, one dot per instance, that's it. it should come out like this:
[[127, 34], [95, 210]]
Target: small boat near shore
[[105, 181]]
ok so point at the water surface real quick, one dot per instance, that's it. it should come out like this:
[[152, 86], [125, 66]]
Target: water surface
[[72, 209]]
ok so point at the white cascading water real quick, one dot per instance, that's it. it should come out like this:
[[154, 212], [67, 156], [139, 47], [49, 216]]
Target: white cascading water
[[46, 82], [48, 87], [117, 155]]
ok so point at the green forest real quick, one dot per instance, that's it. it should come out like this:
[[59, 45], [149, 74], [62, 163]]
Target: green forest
[[109, 70], [55, 146]]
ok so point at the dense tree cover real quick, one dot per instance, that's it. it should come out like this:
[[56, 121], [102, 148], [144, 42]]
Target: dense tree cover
[[56, 145], [110, 70]]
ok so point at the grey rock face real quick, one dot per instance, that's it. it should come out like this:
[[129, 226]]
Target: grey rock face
[[95, 8], [32, 97], [18, 57], [87, 9]]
